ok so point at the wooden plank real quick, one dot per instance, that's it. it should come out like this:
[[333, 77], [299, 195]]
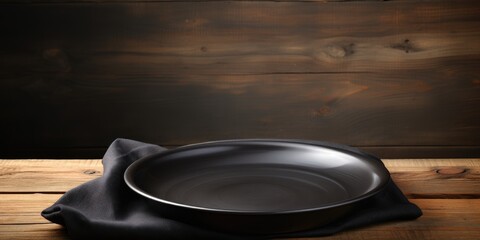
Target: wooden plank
[[391, 111], [230, 38], [413, 164], [364, 74], [46, 176], [17, 209], [32, 231], [224, 54], [417, 178], [443, 178], [442, 219]]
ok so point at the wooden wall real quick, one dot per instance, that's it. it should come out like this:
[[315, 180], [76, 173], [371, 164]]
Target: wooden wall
[[395, 78]]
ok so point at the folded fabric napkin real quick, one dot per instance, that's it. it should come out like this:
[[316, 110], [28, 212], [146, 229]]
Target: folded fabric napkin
[[105, 208]]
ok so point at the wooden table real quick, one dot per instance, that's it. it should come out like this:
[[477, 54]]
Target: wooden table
[[447, 190]]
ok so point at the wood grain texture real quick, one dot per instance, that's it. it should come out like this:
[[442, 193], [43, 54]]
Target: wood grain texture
[[424, 178], [442, 219], [46, 176], [32, 231], [370, 74], [417, 178], [25, 208]]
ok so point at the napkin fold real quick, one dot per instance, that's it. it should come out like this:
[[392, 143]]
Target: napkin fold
[[105, 208]]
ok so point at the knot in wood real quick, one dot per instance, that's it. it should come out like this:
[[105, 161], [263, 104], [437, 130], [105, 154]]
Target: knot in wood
[[336, 51], [406, 46], [451, 171], [90, 172], [340, 51]]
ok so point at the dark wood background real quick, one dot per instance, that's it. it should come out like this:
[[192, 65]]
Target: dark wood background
[[395, 78]]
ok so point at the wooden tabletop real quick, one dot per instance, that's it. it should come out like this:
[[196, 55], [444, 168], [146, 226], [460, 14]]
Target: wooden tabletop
[[447, 190]]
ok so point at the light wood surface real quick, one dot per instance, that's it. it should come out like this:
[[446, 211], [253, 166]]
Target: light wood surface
[[447, 190]]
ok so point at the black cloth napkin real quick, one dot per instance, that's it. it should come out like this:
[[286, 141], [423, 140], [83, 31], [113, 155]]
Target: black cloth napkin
[[105, 208]]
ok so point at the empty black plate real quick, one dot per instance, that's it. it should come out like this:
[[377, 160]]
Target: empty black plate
[[257, 186]]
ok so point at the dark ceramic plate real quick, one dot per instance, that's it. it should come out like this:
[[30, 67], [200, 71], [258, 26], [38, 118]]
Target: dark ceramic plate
[[257, 186]]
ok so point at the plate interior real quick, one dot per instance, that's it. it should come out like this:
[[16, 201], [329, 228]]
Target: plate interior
[[258, 176]]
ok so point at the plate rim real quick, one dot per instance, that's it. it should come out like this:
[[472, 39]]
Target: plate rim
[[128, 175]]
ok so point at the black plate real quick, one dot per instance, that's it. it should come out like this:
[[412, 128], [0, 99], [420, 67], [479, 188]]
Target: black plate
[[257, 186]]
